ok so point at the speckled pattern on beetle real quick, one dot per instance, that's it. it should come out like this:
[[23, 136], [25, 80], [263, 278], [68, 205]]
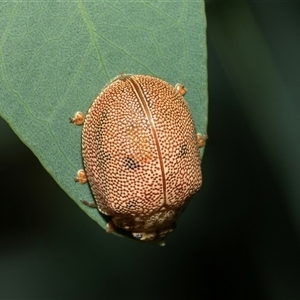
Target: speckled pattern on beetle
[[141, 154]]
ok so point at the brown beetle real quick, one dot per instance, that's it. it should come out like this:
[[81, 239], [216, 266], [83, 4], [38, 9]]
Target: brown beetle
[[140, 154]]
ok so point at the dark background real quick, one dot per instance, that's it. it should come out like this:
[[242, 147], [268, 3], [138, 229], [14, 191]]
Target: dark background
[[239, 237]]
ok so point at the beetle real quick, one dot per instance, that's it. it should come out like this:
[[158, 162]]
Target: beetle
[[141, 154]]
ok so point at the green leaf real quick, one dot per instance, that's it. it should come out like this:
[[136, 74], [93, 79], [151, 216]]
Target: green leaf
[[56, 56]]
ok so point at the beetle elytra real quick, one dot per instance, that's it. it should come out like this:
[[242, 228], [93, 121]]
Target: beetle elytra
[[141, 154]]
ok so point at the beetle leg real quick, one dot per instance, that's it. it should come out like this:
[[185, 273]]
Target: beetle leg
[[81, 177], [181, 89], [89, 204], [202, 139], [78, 118], [110, 227]]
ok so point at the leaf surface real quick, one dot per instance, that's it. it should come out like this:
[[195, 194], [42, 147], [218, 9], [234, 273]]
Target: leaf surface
[[55, 57]]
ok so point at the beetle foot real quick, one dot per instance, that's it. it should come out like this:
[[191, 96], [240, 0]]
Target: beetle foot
[[202, 139], [78, 118], [81, 177], [181, 89]]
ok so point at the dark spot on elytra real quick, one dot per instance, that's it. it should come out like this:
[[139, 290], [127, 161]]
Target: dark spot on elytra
[[131, 205], [183, 150], [131, 163]]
